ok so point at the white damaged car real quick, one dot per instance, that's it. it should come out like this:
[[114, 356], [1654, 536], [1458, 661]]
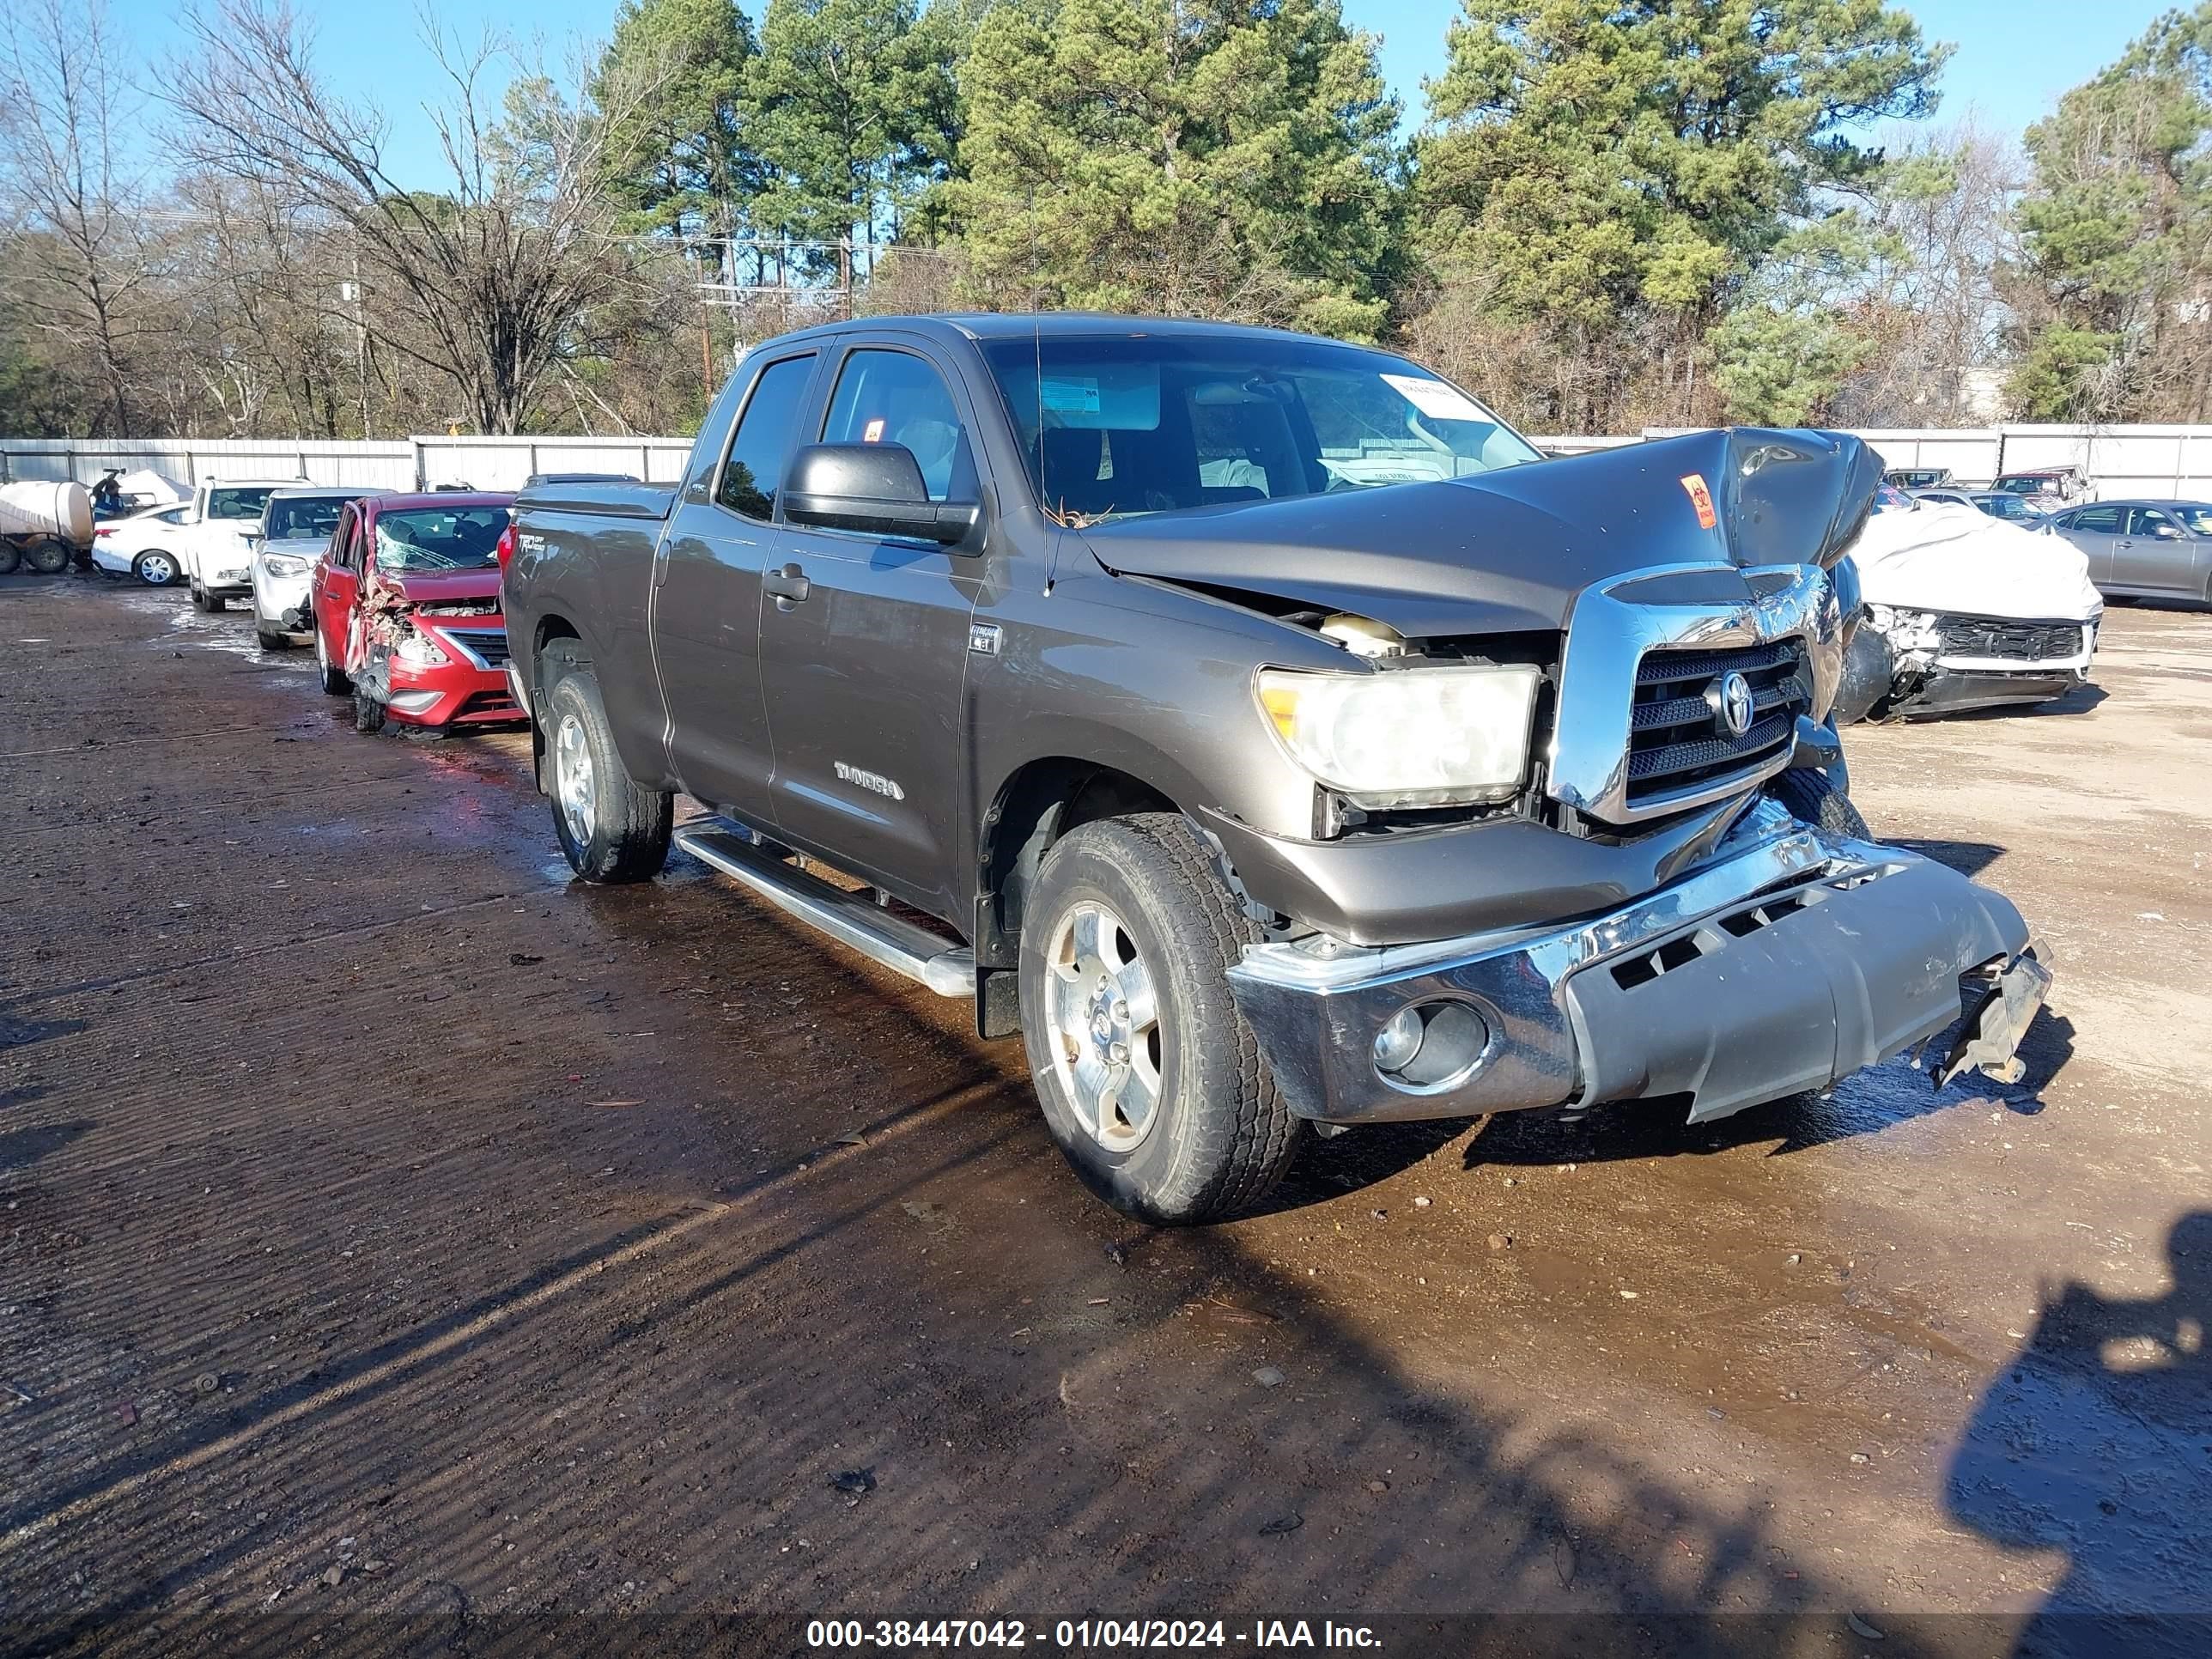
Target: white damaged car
[[1964, 611]]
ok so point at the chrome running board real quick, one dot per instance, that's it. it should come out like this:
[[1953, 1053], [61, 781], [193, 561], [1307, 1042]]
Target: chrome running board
[[854, 920]]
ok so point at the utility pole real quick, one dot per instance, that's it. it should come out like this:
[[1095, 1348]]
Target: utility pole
[[350, 293]]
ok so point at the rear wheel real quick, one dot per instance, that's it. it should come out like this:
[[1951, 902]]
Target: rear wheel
[[1150, 1079], [48, 556], [155, 568], [611, 828], [8, 558]]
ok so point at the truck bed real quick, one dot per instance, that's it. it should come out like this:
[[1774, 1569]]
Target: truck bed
[[607, 501]]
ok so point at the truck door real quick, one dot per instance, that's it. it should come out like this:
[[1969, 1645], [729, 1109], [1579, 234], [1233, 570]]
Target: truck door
[[706, 592], [863, 648]]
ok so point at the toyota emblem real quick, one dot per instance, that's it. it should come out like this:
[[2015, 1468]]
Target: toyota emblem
[[1730, 698]]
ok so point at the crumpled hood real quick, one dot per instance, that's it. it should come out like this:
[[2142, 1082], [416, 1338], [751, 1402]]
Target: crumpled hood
[[1511, 550], [447, 587], [1960, 560]]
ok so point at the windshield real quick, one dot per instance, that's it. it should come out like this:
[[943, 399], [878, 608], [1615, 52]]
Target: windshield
[[308, 516], [238, 503], [1113, 427], [426, 539]]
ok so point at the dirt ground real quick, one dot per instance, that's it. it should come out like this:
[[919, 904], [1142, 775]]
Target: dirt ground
[[405, 1243]]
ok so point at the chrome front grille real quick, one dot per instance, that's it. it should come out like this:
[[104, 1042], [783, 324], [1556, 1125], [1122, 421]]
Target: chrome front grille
[[488, 646], [1637, 736], [1677, 739]]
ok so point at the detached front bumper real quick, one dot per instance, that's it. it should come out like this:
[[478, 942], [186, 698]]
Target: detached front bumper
[[1789, 960]]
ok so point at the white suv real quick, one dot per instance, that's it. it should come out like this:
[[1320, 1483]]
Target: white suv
[[216, 538]]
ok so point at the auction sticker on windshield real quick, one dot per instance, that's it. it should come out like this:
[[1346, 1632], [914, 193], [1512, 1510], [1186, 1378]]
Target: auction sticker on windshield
[[1435, 399]]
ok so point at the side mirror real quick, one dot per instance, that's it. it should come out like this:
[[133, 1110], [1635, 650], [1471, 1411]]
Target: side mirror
[[2165, 532], [874, 489]]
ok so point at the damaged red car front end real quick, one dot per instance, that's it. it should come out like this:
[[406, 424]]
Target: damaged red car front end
[[407, 600], [437, 650]]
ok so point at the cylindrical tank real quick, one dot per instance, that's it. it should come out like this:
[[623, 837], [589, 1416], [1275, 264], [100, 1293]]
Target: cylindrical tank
[[63, 510]]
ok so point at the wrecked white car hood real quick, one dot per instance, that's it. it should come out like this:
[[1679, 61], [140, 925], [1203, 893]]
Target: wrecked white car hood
[[1961, 562]]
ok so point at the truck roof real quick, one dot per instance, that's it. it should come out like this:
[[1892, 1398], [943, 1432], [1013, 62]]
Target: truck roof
[[1050, 325]]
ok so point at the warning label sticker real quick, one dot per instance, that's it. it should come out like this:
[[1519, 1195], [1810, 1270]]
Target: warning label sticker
[[1701, 498]]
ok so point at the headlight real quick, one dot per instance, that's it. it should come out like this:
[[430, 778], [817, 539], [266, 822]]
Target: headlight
[[421, 651], [1407, 737], [283, 564]]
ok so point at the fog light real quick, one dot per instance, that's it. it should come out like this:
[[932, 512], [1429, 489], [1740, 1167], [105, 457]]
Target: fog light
[[1399, 1040], [1430, 1045]]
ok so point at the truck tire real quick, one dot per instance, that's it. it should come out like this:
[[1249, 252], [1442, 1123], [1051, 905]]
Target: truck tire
[[335, 682], [48, 556], [1150, 1081], [1813, 796], [8, 558], [611, 828]]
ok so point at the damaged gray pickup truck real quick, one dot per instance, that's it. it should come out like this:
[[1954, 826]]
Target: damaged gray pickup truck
[[1260, 728]]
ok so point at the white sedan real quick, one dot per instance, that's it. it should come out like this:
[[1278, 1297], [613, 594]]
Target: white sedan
[[147, 545], [1964, 611]]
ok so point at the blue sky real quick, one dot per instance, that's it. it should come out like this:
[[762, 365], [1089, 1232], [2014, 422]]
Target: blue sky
[[2014, 57]]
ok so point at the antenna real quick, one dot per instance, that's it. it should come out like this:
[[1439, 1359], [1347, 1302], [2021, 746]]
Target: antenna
[[1036, 344]]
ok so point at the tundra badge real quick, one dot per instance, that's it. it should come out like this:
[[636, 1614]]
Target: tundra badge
[[874, 780]]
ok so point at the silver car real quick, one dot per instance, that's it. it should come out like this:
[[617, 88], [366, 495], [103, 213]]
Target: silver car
[[2149, 550], [296, 527]]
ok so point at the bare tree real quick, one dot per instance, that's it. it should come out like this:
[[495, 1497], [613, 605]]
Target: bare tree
[[80, 274], [488, 281]]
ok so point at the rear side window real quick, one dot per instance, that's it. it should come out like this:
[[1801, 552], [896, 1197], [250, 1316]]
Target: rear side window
[[895, 397], [755, 463], [2097, 520]]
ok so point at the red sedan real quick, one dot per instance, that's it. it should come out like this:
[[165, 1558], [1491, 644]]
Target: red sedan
[[406, 610]]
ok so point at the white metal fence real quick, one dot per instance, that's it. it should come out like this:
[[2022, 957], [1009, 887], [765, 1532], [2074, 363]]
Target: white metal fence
[[420, 463], [2119, 460]]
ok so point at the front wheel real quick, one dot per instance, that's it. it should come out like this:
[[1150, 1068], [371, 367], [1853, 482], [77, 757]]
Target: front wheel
[[270, 639], [367, 711], [611, 828], [1813, 796], [1150, 1079], [155, 568]]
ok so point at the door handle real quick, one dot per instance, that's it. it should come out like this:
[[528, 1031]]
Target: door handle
[[789, 587]]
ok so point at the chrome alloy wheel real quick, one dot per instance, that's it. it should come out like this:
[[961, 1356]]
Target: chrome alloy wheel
[[1105, 1023], [571, 777]]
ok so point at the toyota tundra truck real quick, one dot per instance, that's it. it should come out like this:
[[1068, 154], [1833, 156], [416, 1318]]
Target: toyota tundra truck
[[1258, 727]]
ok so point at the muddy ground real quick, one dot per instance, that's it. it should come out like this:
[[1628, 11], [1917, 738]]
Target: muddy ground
[[402, 1241]]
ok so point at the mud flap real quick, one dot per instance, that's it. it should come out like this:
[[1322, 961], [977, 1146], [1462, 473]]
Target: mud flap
[[1989, 1041]]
